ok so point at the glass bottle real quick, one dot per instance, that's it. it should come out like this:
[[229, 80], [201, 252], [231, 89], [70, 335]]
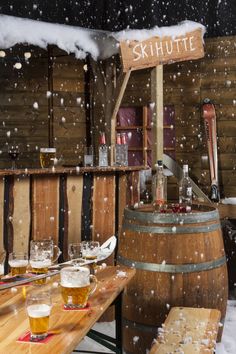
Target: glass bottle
[[124, 145], [102, 151], [185, 190], [118, 151], [159, 187]]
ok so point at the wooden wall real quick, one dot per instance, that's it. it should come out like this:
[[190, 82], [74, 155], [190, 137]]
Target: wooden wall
[[185, 86], [66, 207], [33, 118]]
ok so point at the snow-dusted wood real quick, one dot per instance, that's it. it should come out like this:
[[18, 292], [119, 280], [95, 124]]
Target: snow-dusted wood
[[161, 50], [188, 330]]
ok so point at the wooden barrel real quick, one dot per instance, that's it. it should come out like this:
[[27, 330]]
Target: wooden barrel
[[179, 260]]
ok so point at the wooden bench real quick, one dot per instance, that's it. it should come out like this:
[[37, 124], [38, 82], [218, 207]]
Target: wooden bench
[[188, 330]]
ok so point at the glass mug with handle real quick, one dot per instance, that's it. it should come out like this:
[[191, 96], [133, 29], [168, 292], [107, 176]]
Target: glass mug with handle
[[43, 253], [90, 250], [38, 308], [77, 284], [18, 261]]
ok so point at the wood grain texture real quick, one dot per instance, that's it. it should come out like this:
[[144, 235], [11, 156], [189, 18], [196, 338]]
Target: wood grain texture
[[161, 50], [103, 201], [69, 327], [183, 323], [1, 214], [45, 207], [21, 216], [74, 199], [152, 292]]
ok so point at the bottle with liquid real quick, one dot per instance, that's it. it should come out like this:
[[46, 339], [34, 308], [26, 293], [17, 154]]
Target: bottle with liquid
[[185, 190], [118, 151], [124, 148], [102, 151], [159, 187]]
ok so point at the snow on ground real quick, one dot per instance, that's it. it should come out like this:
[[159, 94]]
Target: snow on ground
[[227, 345]]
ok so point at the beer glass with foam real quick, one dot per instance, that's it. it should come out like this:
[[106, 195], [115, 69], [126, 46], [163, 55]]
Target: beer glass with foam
[[90, 250], [76, 286], [74, 252], [18, 261], [43, 253], [38, 308], [47, 157]]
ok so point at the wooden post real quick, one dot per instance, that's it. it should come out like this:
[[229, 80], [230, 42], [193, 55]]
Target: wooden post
[[157, 98], [115, 111]]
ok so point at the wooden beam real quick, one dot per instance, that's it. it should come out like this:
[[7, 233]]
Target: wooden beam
[[157, 98], [115, 111]]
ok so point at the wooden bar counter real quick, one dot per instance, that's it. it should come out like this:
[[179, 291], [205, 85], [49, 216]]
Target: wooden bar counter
[[68, 327], [65, 204]]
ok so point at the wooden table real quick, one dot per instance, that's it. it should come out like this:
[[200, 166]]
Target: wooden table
[[69, 327]]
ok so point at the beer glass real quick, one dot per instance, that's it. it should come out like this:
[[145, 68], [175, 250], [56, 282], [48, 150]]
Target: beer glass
[[42, 255], [47, 157], [76, 286], [2, 262], [38, 308], [74, 252], [90, 250], [18, 261]]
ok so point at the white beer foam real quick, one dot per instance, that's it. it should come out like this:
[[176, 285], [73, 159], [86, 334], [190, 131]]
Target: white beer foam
[[18, 263], [75, 277], [1, 269], [41, 264], [37, 311]]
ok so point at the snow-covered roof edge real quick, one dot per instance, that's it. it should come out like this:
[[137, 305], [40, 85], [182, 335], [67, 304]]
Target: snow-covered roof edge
[[77, 40]]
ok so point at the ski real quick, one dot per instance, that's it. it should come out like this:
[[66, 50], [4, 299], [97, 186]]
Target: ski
[[209, 116]]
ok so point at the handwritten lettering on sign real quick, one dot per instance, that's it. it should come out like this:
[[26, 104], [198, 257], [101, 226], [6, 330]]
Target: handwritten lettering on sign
[[165, 50]]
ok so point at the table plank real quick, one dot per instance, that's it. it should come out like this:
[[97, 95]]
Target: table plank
[[69, 326]]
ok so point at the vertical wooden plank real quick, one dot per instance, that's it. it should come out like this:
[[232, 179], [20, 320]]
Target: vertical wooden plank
[[20, 217], [122, 197], [45, 207], [1, 214], [103, 209], [145, 136], [157, 97], [74, 197], [133, 188], [87, 206]]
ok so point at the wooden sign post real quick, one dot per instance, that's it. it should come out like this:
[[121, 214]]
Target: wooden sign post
[[154, 52], [161, 50]]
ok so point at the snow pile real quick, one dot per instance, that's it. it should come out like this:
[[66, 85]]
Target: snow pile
[[77, 40]]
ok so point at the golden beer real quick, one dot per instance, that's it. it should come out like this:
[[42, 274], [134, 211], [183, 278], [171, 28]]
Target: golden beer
[[76, 297], [47, 157], [38, 268], [39, 319], [18, 266], [75, 286]]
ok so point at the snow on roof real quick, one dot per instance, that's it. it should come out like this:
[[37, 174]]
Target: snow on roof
[[78, 40]]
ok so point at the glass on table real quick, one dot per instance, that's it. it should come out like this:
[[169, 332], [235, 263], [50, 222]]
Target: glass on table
[[13, 153], [76, 286], [90, 250], [38, 306], [43, 253], [47, 157], [18, 261], [75, 252], [88, 156]]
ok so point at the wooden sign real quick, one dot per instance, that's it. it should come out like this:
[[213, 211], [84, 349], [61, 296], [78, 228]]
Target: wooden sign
[[161, 50]]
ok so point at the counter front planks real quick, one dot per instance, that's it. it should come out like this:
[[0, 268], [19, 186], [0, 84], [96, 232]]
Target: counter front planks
[[69, 327]]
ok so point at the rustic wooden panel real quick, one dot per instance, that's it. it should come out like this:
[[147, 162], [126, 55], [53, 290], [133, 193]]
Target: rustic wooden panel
[[21, 217], [122, 201], [133, 188], [45, 207], [103, 209], [1, 214], [74, 199]]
